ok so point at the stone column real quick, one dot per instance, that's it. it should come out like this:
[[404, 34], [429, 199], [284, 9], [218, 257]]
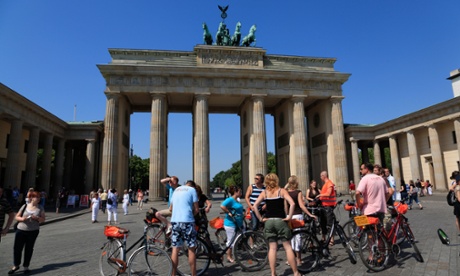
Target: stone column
[[89, 166], [13, 171], [341, 173], [299, 149], [31, 162], [395, 160], [110, 148], [258, 143], [201, 168], [377, 154], [355, 160], [365, 152], [158, 145], [440, 181], [457, 135], [59, 167], [68, 164], [413, 156], [45, 177]]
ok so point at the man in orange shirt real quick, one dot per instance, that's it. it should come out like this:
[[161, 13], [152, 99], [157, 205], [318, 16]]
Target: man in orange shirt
[[328, 200]]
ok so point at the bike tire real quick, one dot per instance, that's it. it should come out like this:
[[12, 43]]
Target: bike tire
[[149, 260], [374, 250], [203, 258], [221, 237], [346, 244], [112, 249], [411, 238], [251, 251], [309, 249], [157, 236], [352, 232]]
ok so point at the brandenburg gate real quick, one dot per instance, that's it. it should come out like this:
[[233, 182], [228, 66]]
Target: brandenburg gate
[[304, 94]]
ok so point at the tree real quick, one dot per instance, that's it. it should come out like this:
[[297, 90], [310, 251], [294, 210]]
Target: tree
[[139, 172]]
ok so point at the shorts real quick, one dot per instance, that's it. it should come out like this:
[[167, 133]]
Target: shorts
[[165, 212], [457, 209], [277, 229], [183, 232]]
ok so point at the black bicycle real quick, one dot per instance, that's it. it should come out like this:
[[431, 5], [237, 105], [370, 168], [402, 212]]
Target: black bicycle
[[311, 249]]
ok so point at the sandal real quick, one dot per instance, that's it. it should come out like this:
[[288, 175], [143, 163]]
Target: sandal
[[331, 243], [231, 260]]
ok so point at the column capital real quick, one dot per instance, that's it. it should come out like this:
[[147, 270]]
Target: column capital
[[202, 96], [260, 97], [298, 98], [91, 140], [354, 140], [430, 125], [155, 95], [112, 95], [337, 99]]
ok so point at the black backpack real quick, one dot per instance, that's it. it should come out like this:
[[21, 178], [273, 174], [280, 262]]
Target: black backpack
[[451, 199]]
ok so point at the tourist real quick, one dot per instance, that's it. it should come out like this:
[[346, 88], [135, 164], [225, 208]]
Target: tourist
[[276, 221], [234, 211], [252, 193], [29, 217], [171, 183], [184, 205]]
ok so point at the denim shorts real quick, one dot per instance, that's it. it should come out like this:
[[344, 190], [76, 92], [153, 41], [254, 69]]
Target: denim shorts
[[183, 232]]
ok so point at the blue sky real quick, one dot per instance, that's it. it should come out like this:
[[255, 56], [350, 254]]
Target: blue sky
[[398, 52]]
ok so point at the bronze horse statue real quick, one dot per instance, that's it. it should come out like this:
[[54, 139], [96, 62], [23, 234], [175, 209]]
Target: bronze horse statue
[[236, 38], [250, 38], [207, 37]]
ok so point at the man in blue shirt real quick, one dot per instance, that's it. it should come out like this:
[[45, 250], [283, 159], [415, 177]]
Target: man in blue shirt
[[184, 206], [171, 183]]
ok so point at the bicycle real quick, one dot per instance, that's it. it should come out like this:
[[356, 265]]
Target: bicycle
[[354, 232], [312, 250], [375, 241], [148, 259], [250, 248]]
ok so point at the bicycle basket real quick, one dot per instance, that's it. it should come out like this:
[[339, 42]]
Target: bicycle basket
[[216, 223], [401, 207], [150, 215], [348, 207], [115, 232], [297, 223], [365, 220]]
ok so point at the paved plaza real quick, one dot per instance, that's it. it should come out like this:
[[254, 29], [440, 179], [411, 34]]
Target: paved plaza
[[69, 244]]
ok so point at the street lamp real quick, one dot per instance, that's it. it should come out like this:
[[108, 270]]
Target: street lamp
[[129, 165]]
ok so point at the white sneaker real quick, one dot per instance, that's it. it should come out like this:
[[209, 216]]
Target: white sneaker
[[169, 230]]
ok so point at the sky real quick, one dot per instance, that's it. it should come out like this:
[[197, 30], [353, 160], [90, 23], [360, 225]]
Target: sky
[[399, 54]]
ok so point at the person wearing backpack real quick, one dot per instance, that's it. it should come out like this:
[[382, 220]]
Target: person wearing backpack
[[413, 195]]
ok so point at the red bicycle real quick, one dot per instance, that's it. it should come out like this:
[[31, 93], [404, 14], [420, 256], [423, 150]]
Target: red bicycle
[[376, 243]]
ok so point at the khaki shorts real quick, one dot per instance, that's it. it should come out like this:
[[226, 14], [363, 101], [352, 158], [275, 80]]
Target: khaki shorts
[[277, 229], [165, 212]]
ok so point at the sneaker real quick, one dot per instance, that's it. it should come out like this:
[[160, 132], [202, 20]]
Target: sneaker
[[169, 230]]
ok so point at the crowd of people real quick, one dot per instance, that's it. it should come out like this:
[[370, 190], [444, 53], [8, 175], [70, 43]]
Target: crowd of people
[[271, 208]]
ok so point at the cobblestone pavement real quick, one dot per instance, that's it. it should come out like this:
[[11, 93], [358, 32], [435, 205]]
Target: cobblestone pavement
[[69, 244]]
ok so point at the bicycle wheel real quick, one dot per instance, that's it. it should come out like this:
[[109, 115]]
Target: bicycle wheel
[[149, 260], [202, 258], [111, 259], [221, 236], [400, 236], [352, 232], [346, 244], [309, 249], [411, 239], [374, 250], [251, 251], [156, 236]]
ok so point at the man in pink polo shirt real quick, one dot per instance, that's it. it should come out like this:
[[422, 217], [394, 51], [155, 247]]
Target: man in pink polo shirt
[[373, 190]]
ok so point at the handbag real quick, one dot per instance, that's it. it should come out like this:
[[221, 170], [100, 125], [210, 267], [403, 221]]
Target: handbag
[[23, 208]]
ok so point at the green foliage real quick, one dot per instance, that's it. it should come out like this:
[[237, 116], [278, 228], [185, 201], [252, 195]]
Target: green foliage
[[233, 176], [139, 169]]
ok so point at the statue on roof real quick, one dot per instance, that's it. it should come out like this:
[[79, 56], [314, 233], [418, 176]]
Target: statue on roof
[[250, 38], [207, 37], [236, 38]]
